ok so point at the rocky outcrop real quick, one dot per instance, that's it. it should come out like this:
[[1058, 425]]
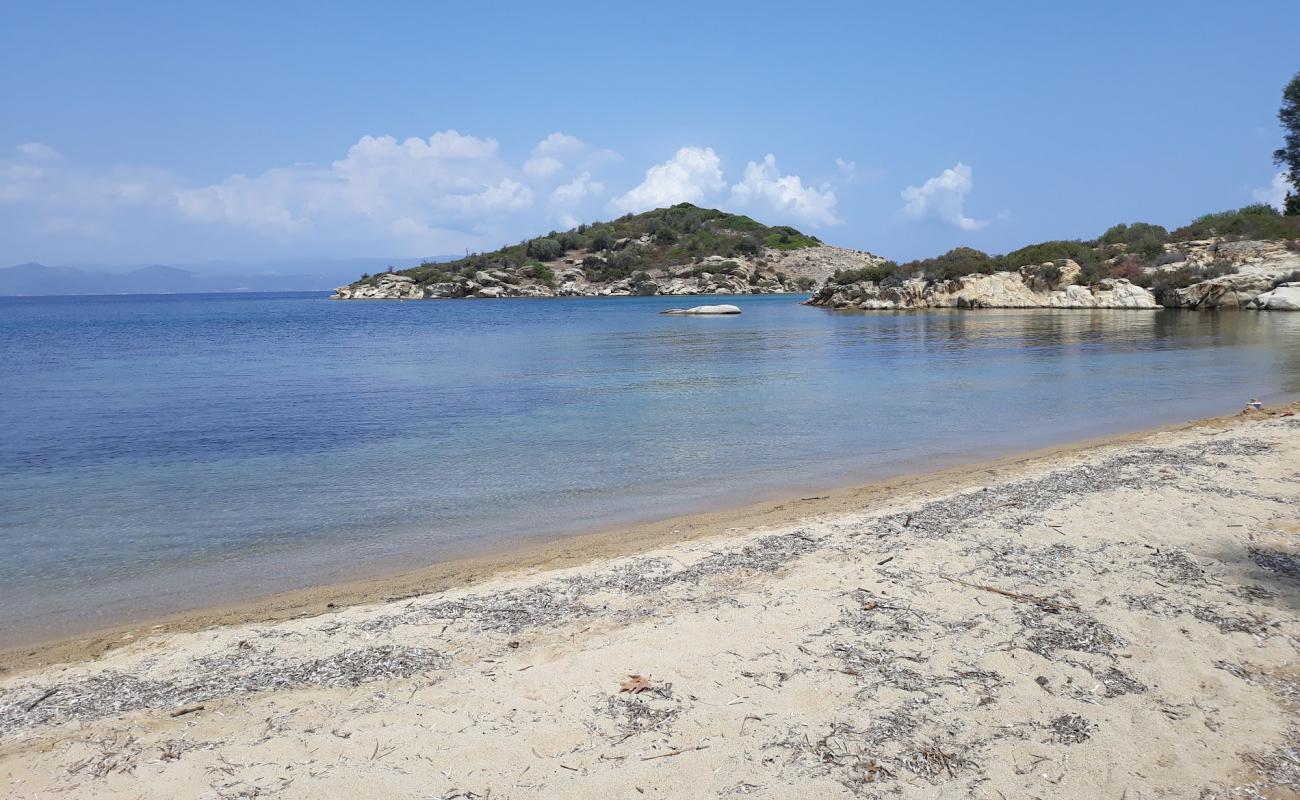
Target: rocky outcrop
[[776, 271], [1041, 286], [705, 310], [818, 263], [1285, 297], [1250, 269], [710, 275], [388, 286]]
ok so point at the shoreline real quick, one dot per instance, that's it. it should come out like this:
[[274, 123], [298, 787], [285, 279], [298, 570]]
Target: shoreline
[[1112, 619], [556, 551]]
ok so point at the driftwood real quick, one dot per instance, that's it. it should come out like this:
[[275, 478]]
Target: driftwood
[[1042, 602], [46, 696], [676, 752]]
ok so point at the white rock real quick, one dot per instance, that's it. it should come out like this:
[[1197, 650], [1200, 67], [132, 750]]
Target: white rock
[[718, 309], [1284, 298]]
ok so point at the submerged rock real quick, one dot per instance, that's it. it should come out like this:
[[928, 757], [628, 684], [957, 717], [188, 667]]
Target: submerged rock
[[705, 310]]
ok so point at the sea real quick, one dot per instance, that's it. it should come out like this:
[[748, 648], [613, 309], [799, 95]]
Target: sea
[[167, 452]]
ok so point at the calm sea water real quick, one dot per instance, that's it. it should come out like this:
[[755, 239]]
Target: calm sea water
[[162, 452]]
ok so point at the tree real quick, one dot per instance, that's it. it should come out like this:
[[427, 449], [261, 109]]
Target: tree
[[1288, 156]]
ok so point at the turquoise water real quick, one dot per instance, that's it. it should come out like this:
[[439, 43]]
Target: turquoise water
[[164, 452]]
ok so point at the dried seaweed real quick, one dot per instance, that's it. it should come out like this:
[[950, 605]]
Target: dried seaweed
[[1069, 630], [110, 693], [1070, 729]]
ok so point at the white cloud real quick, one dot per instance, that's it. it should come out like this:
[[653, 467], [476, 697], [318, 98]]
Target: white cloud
[[559, 144], [39, 151], [764, 186], [37, 176], [570, 194], [1275, 193], [396, 186], [553, 154], [688, 177], [848, 168], [542, 166], [943, 197]]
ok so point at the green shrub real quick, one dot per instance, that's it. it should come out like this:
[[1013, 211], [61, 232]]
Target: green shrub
[[784, 237], [1043, 252], [1141, 236], [545, 249], [740, 222], [875, 274], [543, 274], [1182, 278], [1258, 221], [953, 264]]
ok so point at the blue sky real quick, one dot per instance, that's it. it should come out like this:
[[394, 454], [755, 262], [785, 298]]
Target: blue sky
[[175, 132]]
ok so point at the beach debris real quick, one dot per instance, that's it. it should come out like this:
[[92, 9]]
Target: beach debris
[[238, 671], [1050, 606], [1051, 632], [45, 695], [1071, 729], [636, 684], [677, 752], [1279, 562], [190, 709]]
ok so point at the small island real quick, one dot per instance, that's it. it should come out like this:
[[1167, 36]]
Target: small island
[[682, 250]]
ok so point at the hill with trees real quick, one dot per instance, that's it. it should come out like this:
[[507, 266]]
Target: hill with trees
[[683, 249]]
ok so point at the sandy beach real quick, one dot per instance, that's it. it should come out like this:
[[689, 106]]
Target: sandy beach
[[1114, 620]]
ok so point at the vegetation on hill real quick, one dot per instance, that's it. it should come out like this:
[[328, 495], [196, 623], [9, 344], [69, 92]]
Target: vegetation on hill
[[626, 247], [1123, 251]]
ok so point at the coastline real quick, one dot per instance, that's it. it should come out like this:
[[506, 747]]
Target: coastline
[[1116, 618], [555, 551]]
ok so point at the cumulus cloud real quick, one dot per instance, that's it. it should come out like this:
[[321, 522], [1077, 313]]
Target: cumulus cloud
[[848, 168], [1275, 193], [689, 176], [413, 186], [571, 194], [943, 197], [541, 166], [765, 187], [559, 151]]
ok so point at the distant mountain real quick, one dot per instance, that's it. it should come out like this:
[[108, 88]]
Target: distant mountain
[[32, 279]]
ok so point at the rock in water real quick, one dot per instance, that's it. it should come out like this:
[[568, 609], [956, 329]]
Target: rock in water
[[1285, 297], [721, 309]]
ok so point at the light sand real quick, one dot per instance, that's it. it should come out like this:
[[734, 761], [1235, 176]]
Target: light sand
[[1118, 621]]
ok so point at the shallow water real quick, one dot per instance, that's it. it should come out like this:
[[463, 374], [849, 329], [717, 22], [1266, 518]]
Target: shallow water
[[165, 452]]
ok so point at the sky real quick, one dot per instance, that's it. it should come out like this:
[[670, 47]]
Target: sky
[[135, 132]]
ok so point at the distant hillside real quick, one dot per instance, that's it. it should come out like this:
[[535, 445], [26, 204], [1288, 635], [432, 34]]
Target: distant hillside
[[679, 250], [33, 279]]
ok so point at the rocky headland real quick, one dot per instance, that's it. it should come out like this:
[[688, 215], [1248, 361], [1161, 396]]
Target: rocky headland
[[682, 250], [773, 272], [1130, 267], [1047, 285]]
